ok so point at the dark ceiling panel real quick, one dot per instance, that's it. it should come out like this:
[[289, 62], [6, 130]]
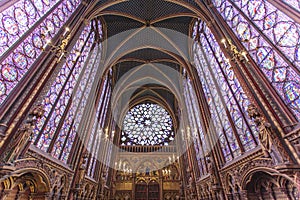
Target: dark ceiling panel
[[148, 55], [118, 24], [193, 3], [148, 9], [179, 24], [155, 91]]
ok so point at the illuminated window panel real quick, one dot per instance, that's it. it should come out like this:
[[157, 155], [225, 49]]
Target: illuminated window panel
[[279, 30], [83, 90], [95, 63], [147, 124], [196, 109], [224, 95], [105, 109], [192, 115], [50, 99], [19, 61], [293, 3], [217, 111], [19, 18], [62, 87], [80, 109], [95, 131], [66, 151], [222, 123], [97, 141], [99, 126], [276, 25], [198, 132], [98, 111], [232, 92]]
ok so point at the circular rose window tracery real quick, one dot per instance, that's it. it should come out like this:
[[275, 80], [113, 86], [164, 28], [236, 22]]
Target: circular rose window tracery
[[147, 124]]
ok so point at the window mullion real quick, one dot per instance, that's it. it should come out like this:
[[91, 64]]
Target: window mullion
[[232, 92], [29, 31], [59, 94], [274, 47], [223, 101], [214, 107]]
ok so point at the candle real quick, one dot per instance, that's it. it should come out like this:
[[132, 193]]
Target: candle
[[224, 42], [244, 53], [66, 31], [62, 54], [47, 42]]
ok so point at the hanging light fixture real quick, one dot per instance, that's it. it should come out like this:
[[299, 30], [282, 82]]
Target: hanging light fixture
[[241, 56], [60, 49]]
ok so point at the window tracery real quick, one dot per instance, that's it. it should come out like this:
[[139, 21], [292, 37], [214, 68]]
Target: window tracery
[[293, 3], [224, 94], [62, 87], [67, 97], [147, 124], [273, 41], [96, 138], [97, 132], [25, 28], [195, 127]]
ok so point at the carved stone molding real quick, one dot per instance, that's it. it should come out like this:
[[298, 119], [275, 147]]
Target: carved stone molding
[[245, 158], [21, 140], [269, 142], [294, 139], [33, 152]]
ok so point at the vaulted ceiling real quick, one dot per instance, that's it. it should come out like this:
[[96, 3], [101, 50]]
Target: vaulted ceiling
[[149, 35]]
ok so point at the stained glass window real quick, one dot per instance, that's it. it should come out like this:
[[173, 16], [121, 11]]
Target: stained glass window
[[19, 18], [22, 36], [98, 127], [68, 96], [101, 122], [62, 88], [83, 92], [273, 41], [96, 134], [147, 124], [225, 96], [293, 3], [195, 128], [83, 87]]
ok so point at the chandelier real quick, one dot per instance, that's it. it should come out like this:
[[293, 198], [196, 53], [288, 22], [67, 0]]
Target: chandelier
[[59, 49]]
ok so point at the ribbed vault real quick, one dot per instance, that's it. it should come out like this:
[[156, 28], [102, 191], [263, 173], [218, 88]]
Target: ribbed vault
[[151, 32]]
